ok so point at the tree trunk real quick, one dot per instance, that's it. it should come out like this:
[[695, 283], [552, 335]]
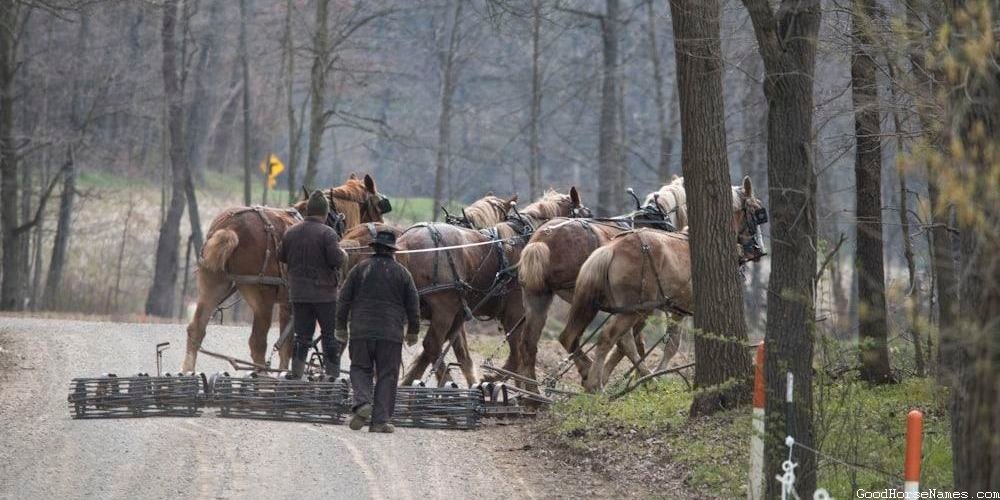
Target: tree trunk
[[663, 168], [448, 85], [609, 200], [294, 130], [60, 244], [317, 92], [161, 300], [12, 287], [787, 41], [198, 119], [723, 369], [872, 326], [535, 167], [245, 67]]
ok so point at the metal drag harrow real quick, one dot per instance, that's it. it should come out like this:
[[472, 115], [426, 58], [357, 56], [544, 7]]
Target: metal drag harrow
[[438, 408], [111, 396], [278, 399]]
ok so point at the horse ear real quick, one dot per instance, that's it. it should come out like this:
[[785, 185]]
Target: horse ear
[[575, 196], [489, 193], [747, 187], [352, 177], [513, 199], [305, 193], [369, 184]]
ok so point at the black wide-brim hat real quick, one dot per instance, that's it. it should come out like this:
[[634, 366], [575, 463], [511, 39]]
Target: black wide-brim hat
[[385, 239]]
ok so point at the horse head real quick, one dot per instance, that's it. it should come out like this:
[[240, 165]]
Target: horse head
[[748, 214]]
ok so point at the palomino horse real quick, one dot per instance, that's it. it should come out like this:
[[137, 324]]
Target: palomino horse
[[643, 271], [573, 240], [473, 280], [241, 253]]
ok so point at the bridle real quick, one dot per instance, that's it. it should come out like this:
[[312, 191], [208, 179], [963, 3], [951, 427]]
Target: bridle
[[752, 219]]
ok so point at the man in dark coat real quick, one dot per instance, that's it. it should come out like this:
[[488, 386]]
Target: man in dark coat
[[379, 298], [313, 254]]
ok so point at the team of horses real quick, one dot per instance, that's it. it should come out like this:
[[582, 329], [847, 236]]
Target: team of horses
[[494, 262]]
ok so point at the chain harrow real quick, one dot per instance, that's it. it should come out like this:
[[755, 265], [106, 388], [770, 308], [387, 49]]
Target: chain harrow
[[278, 399], [438, 408], [111, 396]]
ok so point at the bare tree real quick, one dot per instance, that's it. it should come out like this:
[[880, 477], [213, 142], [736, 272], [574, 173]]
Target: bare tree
[[873, 329], [535, 152], [665, 134], [317, 91], [161, 300], [11, 291], [723, 368], [449, 79], [245, 70], [786, 38]]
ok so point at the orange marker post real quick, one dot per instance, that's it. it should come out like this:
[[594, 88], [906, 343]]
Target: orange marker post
[[914, 444], [756, 490]]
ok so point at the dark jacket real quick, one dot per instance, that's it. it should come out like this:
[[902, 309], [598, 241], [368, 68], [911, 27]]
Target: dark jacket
[[380, 299], [312, 251]]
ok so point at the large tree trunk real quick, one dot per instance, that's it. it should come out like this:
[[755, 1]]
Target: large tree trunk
[[666, 141], [535, 165], [448, 84], [317, 91], [12, 287], [972, 121], [161, 300], [245, 69], [723, 369], [787, 40], [609, 198], [294, 129], [872, 326], [198, 119]]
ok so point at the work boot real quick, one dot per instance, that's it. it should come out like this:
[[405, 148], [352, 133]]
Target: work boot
[[331, 357], [383, 428], [361, 417], [298, 367]]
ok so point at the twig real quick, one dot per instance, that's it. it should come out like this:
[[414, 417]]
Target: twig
[[829, 257], [649, 377]]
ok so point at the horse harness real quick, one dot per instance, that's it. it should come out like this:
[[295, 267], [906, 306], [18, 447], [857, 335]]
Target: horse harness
[[664, 301], [274, 246]]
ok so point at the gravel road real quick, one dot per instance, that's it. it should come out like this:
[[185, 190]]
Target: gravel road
[[46, 454]]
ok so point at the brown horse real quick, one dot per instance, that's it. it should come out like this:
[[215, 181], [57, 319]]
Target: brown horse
[[573, 240], [640, 272], [473, 280], [241, 252]]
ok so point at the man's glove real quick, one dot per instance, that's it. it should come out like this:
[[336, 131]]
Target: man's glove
[[340, 335], [411, 338]]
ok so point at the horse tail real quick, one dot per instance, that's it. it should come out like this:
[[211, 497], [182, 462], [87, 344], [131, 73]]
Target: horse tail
[[218, 248], [534, 262], [590, 286]]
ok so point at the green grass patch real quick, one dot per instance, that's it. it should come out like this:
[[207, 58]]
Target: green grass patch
[[855, 423], [91, 179]]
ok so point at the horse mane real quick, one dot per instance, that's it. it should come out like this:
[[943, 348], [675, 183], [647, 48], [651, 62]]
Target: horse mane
[[487, 211], [352, 191], [672, 198], [551, 204]]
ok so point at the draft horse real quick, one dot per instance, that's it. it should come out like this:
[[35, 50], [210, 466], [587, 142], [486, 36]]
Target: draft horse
[[241, 252], [642, 271]]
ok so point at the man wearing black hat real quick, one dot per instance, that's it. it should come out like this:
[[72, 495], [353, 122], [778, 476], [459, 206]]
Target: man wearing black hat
[[313, 254], [379, 298]]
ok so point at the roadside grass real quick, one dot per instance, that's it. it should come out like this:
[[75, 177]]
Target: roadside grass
[[856, 424]]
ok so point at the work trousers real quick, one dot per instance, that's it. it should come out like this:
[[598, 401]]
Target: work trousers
[[368, 358], [305, 316]]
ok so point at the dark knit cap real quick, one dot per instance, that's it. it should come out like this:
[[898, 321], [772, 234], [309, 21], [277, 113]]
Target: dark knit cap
[[318, 205]]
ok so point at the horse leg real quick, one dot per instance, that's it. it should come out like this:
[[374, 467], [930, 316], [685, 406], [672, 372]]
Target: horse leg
[[512, 313], [434, 339], [261, 301], [571, 343], [535, 313], [212, 289], [616, 326], [628, 345], [672, 343], [463, 354], [420, 362]]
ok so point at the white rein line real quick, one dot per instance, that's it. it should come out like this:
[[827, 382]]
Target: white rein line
[[434, 249]]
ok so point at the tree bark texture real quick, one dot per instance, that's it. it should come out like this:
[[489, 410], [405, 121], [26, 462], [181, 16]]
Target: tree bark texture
[[12, 287], [448, 84], [663, 165], [535, 166], [61, 242], [317, 92], [872, 325], [723, 371], [245, 67], [161, 300], [610, 189], [787, 40]]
